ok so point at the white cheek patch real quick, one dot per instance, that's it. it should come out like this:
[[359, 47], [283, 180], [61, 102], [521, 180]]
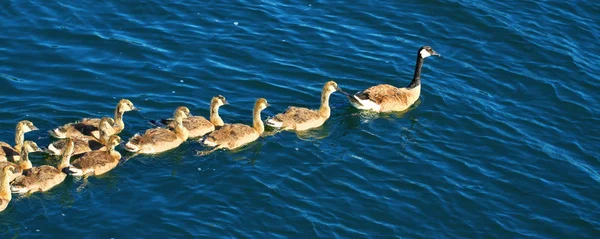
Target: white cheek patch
[[424, 53]]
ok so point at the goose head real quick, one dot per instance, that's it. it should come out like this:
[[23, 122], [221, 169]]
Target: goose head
[[125, 105], [261, 104], [25, 126], [218, 101], [182, 112], [113, 141], [427, 51], [331, 87]]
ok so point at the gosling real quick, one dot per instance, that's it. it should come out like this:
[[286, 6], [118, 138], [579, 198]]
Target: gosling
[[85, 143], [89, 126], [300, 119], [45, 177], [5, 195], [9, 152], [233, 136], [97, 162], [157, 140], [199, 126]]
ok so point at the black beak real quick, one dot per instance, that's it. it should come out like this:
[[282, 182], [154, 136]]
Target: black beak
[[341, 91], [434, 53], [225, 102], [136, 108], [33, 127]]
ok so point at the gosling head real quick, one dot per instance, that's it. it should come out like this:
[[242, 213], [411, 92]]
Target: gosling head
[[26, 126], [331, 87], [114, 140], [30, 147], [261, 104], [427, 51], [182, 112], [126, 105], [219, 100]]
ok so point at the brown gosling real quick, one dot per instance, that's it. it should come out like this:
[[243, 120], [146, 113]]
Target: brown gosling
[[89, 126], [387, 98], [5, 195], [23, 164], [199, 126], [97, 162], [85, 143], [299, 119], [157, 140], [45, 177], [12, 153], [233, 136]]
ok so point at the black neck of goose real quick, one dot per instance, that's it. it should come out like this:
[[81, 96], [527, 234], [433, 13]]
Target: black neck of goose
[[416, 81]]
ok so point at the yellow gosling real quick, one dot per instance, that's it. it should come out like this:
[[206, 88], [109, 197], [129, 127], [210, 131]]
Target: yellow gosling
[[89, 126]]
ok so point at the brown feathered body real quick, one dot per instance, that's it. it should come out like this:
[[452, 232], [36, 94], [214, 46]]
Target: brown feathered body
[[89, 126], [297, 118], [39, 179], [158, 140], [17, 172], [232, 136], [7, 152], [97, 162], [391, 98], [5, 193], [300, 119], [42, 178], [83, 144], [197, 126]]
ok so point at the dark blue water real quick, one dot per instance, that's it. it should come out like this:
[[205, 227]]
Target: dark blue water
[[502, 144]]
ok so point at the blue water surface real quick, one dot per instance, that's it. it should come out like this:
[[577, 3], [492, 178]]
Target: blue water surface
[[502, 144]]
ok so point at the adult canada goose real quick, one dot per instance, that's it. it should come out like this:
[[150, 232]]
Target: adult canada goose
[[198, 126], [9, 152], [158, 140], [232, 136], [5, 195], [386, 98], [23, 164], [45, 177], [299, 119], [85, 143], [97, 162], [89, 126]]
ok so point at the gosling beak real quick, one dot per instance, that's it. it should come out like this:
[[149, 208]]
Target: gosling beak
[[33, 127], [341, 91], [136, 109], [268, 104], [434, 53], [225, 102]]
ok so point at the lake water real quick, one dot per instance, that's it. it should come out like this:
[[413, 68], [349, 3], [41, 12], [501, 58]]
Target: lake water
[[503, 143]]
